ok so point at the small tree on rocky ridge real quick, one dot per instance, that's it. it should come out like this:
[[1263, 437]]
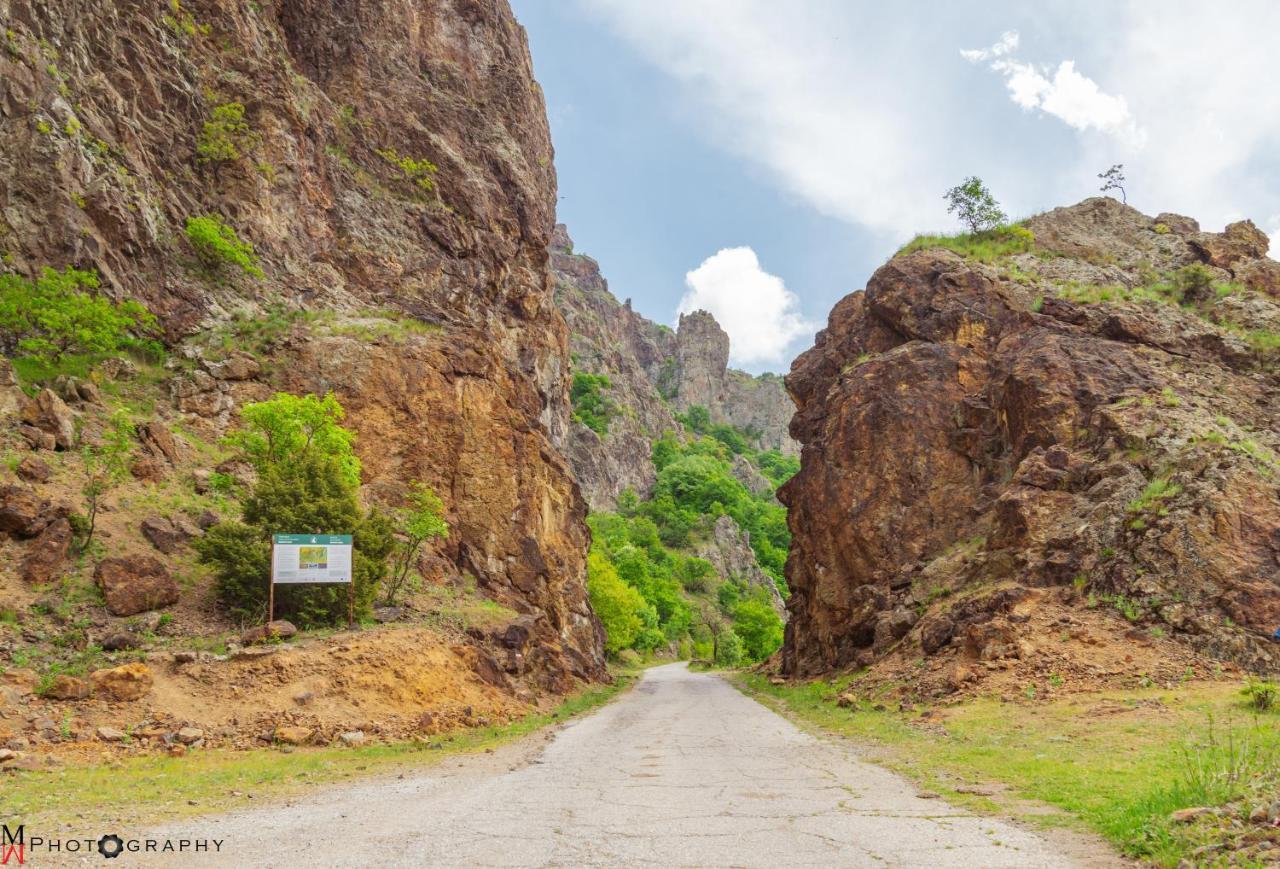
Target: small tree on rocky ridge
[[421, 521], [1113, 179], [973, 203]]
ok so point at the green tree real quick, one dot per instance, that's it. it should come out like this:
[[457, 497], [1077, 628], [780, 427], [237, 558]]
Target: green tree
[[619, 607], [729, 650], [973, 203], [759, 626], [56, 314], [697, 419], [421, 521], [591, 406], [106, 465], [289, 427], [307, 484]]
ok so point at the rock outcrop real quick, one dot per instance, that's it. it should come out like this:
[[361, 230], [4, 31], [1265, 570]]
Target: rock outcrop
[[1093, 422], [388, 157], [653, 373]]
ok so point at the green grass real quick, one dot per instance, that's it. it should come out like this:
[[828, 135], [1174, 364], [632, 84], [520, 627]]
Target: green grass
[[153, 786], [1117, 764], [984, 247]]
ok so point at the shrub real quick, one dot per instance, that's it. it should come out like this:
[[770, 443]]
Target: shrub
[[973, 203], [619, 607], [307, 481], [729, 651], [591, 406], [421, 521], [759, 626], [225, 135], [419, 171], [986, 246], [55, 315], [218, 246], [1261, 694], [305, 496], [290, 427]]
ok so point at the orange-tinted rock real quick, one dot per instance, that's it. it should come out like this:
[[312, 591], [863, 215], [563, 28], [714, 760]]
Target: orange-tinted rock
[[126, 682], [951, 406], [135, 584]]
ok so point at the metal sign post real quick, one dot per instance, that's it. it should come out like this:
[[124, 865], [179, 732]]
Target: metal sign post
[[312, 558]]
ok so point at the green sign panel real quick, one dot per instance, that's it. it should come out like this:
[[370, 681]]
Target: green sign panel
[[299, 558]]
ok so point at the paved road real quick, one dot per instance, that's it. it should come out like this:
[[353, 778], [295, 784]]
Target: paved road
[[680, 771]]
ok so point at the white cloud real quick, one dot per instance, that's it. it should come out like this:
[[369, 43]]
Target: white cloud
[[760, 314], [1008, 43], [1069, 96]]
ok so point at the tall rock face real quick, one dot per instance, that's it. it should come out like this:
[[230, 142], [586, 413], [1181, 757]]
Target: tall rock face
[[391, 154], [607, 337], [701, 376], [653, 373], [1093, 423]]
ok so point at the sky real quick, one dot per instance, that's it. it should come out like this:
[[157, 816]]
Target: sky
[[760, 159]]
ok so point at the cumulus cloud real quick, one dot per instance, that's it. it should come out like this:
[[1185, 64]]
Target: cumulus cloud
[[760, 314], [1069, 96]]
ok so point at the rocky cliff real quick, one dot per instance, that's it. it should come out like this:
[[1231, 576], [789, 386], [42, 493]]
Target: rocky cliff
[[1011, 449], [390, 163], [654, 373]]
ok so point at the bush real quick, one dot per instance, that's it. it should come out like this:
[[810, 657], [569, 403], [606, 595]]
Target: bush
[[759, 626], [729, 650], [420, 171], [218, 246], [1261, 694], [55, 315], [591, 406], [619, 607], [305, 496], [225, 135], [421, 521], [307, 481], [289, 427]]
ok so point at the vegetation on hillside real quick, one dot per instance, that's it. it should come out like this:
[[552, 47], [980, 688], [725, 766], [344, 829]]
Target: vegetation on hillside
[[591, 406], [649, 588]]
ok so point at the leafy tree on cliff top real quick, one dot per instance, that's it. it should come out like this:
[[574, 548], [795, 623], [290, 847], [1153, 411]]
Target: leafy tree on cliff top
[[973, 203]]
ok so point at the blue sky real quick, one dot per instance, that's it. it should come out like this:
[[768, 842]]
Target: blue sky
[[761, 159]]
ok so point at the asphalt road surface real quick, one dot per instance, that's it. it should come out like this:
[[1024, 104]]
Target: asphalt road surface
[[682, 770]]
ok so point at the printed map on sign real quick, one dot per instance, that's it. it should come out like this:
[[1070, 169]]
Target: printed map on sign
[[311, 558]]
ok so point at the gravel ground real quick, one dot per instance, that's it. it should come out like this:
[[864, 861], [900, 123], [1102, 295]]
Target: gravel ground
[[680, 771]]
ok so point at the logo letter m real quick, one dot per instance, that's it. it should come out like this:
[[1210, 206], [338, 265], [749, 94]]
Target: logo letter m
[[11, 846]]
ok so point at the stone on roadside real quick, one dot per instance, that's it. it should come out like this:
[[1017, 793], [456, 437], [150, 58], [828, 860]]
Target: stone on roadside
[[293, 735], [134, 584], [1186, 816], [110, 734], [64, 687], [124, 683], [189, 735], [352, 737], [279, 629]]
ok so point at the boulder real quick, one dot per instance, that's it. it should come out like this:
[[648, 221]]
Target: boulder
[[121, 641], [47, 552], [935, 633], [12, 398], [352, 737], [189, 735], [77, 390], [134, 584], [50, 414], [110, 734], [238, 366], [66, 687], [34, 470], [23, 513], [37, 439], [1239, 241], [279, 629], [147, 468], [157, 440], [163, 534], [123, 683], [293, 735], [118, 369]]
